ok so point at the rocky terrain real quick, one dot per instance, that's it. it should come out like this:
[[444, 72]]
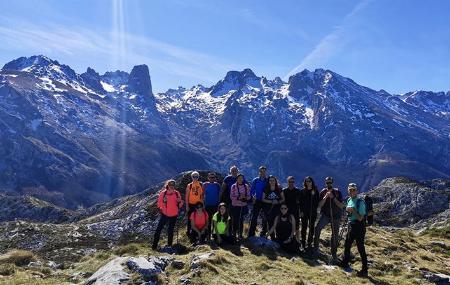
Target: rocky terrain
[[76, 140], [109, 242]]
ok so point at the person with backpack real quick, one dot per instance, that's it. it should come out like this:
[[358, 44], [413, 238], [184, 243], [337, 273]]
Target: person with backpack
[[283, 229], [194, 194], [169, 202], [309, 201], [330, 212], [356, 215], [240, 196], [292, 197], [221, 226], [212, 198], [273, 197], [199, 224], [256, 191]]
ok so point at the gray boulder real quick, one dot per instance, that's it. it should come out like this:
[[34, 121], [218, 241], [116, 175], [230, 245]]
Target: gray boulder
[[112, 273]]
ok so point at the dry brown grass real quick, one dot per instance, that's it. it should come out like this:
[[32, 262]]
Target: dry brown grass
[[18, 257]]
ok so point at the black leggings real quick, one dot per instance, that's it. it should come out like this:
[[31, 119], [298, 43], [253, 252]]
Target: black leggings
[[308, 222], [356, 231], [162, 221]]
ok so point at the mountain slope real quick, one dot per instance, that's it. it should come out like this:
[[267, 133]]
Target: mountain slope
[[95, 137]]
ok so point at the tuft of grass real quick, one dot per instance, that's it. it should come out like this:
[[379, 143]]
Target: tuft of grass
[[443, 232], [18, 257], [7, 269], [129, 249]]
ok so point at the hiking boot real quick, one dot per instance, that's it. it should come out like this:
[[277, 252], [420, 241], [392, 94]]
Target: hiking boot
[[362, 273]]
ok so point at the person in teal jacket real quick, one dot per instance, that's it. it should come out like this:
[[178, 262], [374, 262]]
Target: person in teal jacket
[[356, 212]]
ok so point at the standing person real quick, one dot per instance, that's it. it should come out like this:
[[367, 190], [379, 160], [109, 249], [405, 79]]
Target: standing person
[[284, 230], [194, 194], [256, 191], [169, 202], [228, 181], [331, 210], [199, 224], [273, 197], [240, 196], [292, 197], [309, 201], [212, 198], [356, 209], [221, 226]]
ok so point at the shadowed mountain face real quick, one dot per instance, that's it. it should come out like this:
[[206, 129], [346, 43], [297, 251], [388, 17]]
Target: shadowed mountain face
[[81, 139]]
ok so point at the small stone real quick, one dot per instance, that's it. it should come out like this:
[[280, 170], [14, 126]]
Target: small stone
[[185, 280], [198, 259], [177, 264]]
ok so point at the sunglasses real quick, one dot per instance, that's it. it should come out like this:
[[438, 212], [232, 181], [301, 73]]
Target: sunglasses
[[195, 177], [199, 208], [328, 182], [283, 208]]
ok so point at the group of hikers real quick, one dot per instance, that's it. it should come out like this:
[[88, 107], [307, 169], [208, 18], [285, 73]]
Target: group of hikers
[[218, 212]]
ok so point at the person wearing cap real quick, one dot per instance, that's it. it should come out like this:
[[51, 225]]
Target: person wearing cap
[[194, 194], [330, 206], [356, 212], [258, 185]]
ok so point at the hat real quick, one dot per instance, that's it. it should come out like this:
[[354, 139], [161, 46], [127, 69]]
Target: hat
[[352, 186]]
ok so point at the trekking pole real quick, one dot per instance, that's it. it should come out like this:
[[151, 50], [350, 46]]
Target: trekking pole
[[333, 240]]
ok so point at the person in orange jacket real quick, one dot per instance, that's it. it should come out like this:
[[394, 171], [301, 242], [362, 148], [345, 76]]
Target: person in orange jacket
[[169, 203], [194, 194]]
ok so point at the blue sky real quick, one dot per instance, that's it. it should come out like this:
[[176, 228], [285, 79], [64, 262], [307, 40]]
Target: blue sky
[[394, 45]]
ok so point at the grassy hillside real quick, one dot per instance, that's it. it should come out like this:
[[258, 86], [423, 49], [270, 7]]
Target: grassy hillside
[[397, 256]]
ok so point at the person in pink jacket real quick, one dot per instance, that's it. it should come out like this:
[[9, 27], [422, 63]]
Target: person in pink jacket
[[240, 196], [169, 203]]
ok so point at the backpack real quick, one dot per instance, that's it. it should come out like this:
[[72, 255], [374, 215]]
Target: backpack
[[369, 210], [165, 198]]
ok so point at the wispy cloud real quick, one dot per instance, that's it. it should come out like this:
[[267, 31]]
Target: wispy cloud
[[74, 41], [332, 43]]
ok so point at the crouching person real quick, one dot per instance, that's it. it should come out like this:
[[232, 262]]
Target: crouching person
[[169, 203], [284, 229], [221, 226], [356, 209], [199, 224]]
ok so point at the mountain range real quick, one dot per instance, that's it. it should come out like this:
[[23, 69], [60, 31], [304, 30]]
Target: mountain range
[[79, 139]]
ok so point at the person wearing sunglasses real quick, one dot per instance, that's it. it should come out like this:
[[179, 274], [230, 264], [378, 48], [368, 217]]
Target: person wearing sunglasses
[[199, 224], [292, 197], [356, 212], [194, 194], [309, 201], [212, 198], [273, 197], [169, 202], [283, 230], [330, 213]]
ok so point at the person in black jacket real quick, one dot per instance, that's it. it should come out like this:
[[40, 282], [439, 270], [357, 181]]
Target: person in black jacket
[[292, 200], [309, 201]]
